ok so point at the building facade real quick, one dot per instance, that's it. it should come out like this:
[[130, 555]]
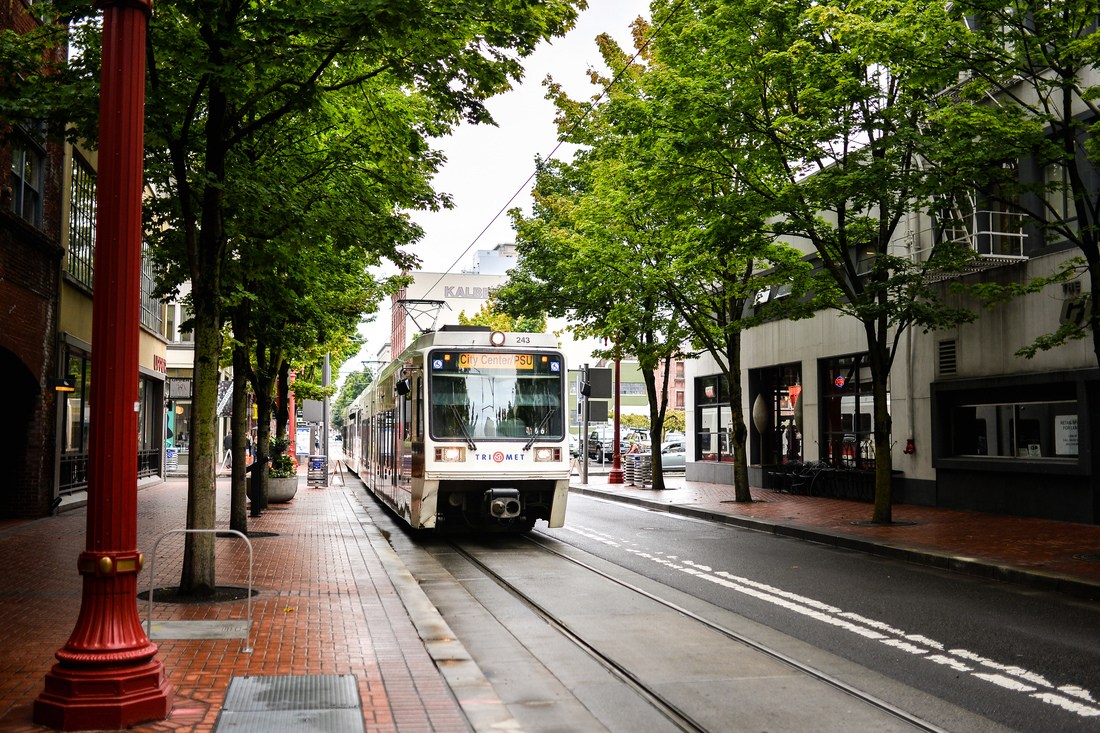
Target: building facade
[[974, 426], [47, 280]]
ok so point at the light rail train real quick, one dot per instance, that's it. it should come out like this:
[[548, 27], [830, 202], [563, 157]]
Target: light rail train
[[466, 430]]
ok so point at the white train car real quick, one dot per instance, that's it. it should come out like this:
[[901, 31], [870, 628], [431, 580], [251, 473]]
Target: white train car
[[466, 430]]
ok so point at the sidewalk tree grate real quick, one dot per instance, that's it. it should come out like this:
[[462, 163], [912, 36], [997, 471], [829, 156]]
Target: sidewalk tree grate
[[292, 702], [216, 629]]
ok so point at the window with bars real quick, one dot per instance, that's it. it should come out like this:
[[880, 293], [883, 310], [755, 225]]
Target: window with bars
[[82, 222], [152, 311]]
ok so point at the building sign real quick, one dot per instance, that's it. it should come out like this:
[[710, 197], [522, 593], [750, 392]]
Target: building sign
[[463, 291], [1065, 435], [179, 388]]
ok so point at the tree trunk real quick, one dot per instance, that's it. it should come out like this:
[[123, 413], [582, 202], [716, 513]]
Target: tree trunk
[[740, 432], [282, 409], [238, 509], [263, 452], [657, 408], [197, 577], [205, 260], [884, 463]]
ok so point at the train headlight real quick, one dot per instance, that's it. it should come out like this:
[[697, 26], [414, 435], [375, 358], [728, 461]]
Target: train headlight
[[547, 454], [451, 454]]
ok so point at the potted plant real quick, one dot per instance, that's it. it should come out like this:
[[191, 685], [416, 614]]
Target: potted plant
[[282, 476]]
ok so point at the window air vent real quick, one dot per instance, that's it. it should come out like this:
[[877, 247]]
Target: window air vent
[[948, 358]]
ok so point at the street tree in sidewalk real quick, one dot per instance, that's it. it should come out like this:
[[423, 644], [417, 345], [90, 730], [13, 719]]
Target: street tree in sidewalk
[[661, 180], [300, 277], [223, 75], [1021, 127], [593, 249], [724, 252], [826, 117]]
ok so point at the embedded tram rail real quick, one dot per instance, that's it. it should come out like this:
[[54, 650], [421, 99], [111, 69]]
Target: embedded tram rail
[[711, 672]]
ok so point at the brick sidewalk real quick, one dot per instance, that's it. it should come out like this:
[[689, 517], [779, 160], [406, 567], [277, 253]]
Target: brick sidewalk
[[325, 606]]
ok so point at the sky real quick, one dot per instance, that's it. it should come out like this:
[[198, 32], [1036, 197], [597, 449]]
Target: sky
[[488, 166]]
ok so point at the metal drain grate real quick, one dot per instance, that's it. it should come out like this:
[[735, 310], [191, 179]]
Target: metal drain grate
[[327, 703]]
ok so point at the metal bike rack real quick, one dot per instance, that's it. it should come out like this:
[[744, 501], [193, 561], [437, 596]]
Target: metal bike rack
[[227, 629]]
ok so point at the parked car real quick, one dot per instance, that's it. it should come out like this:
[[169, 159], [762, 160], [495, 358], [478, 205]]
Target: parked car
[[600, 444], [674, 455]]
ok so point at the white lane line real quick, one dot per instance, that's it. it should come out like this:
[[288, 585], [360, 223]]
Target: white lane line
[[1071, 698]]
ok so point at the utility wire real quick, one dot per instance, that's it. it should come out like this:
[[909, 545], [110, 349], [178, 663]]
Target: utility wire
[[576, 123]]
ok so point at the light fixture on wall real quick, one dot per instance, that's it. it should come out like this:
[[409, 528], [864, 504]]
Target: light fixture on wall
[[63, 384]]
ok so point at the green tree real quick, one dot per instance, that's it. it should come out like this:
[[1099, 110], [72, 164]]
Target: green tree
[[227, 76], [586, 253], [827, 116], [1037, 150], [696, 246], [354, 384]]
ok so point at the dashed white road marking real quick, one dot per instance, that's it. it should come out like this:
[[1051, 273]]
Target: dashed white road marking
[[1071, 698]]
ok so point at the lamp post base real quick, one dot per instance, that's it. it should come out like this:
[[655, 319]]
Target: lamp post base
[[103, 698], [615, 476]]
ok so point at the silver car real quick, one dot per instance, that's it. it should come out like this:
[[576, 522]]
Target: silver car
[[674, 455]]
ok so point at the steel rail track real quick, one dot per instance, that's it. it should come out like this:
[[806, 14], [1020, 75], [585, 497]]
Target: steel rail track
[[675, 715], [873, 701]]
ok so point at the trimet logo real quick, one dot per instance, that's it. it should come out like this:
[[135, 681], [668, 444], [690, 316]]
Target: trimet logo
[[499, 457]]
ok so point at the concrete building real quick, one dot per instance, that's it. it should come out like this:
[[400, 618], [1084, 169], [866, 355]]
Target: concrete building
[[974, 426]]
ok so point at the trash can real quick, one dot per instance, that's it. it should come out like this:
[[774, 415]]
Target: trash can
[[317, 472], [643, 470]]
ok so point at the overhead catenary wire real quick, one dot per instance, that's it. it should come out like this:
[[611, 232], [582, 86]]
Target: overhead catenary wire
[[554, 151]]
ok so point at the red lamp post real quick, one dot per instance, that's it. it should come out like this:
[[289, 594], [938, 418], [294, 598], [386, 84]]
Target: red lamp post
[[615, 476], [107, 675]]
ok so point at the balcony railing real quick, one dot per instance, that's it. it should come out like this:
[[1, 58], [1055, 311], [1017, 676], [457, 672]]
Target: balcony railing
[[996, 238]]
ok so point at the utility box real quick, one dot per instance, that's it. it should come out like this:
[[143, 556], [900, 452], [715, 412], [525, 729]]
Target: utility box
[[317, 471]]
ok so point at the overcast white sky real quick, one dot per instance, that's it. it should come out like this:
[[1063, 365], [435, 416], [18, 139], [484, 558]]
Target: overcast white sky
[[486, 166]]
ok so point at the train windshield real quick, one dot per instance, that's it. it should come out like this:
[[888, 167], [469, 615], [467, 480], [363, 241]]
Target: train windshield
[[494, 395]]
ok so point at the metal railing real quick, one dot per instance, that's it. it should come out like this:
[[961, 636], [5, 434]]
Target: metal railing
[[247, 649]]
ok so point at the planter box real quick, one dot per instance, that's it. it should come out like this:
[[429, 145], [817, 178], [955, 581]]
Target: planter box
[[281, 490]]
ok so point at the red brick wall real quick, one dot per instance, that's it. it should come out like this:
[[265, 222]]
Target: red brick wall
[[30, 277]]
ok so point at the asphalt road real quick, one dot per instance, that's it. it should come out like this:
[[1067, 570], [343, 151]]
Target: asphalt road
[[1024, 659]]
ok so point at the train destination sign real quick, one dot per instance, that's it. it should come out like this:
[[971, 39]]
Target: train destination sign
[[496, 361]]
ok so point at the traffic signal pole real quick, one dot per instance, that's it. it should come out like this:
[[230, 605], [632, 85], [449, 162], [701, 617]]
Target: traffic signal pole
[[107, 675]]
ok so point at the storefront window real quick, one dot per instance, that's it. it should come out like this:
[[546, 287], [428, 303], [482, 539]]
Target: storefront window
[[848, 412], [780, 389], [714, 418], [1033, 430], [75, 417]]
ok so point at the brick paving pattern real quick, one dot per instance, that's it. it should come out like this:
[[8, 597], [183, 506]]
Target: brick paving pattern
[[325, 606]]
